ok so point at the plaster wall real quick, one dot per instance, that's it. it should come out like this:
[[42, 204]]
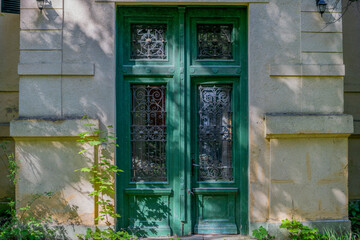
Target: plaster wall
[[9, 94], [295, 68], [291, 37], [351, 25], [54, 170]]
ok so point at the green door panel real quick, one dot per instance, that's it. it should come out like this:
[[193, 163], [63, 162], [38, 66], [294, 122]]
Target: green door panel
[[216, 186], [215, 210], [149, 215], [178, 180]]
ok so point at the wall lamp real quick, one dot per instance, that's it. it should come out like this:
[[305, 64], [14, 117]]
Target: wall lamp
[[40, 4], [321, 5]]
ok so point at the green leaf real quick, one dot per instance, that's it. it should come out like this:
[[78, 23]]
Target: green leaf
[[94, 142], [85, 169], [82, 151], [89, 125]]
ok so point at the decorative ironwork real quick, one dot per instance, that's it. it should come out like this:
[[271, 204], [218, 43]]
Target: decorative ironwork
[[214, 41], [148, 41], [148, 133], [215, 133]]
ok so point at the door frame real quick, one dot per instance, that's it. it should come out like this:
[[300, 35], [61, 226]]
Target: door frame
[[186, 76]]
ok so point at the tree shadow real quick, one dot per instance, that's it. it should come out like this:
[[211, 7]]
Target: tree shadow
[[149, 215], [89, 36]]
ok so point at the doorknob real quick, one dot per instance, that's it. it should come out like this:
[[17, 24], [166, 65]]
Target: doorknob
[[190, 192], [192, 164]]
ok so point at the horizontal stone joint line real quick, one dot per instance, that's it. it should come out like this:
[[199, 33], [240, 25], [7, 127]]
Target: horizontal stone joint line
[[44, 9], [40, 29], [307, 125], [321, 31], [320, 52]]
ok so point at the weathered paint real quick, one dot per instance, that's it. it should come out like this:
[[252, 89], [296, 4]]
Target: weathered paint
[[351, 32], [276, 37], [9, 94], [181, 206]]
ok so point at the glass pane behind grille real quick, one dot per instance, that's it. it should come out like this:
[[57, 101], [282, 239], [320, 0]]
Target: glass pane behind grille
[[215, 133], [148, 133], [214, 41], [148, 41]]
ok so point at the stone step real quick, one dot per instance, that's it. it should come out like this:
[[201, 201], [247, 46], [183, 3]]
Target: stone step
[[204, 237]]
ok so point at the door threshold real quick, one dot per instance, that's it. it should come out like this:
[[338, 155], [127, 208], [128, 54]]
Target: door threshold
[[204, 237]]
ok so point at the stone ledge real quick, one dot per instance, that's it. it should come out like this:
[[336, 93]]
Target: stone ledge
[[322, 225], [351, 87], [50, 4], [56, 69], [310, 70], [50, 127], [4, 130], [310, 125]]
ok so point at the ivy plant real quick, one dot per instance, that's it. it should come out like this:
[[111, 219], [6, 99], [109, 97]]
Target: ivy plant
[[102, 175], [21, 223], [354, 216], [298, 231], [262, 234]]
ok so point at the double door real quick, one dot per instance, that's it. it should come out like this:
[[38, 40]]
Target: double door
[[182, 120]]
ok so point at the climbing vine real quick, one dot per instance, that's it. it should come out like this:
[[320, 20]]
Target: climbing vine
[[102, 173]]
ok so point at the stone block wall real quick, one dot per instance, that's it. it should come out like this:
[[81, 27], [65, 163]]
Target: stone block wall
[[298, 132], [300, 172], [351, 26], [9, 95], [59, 47]]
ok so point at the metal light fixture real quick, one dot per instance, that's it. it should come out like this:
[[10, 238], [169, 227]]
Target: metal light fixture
[[321, 4], [40, 4]]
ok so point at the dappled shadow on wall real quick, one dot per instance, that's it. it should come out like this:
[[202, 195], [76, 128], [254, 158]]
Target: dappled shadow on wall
[[149, 215]]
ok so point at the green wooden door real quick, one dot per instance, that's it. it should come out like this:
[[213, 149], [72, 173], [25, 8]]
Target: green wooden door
[[182, 120]]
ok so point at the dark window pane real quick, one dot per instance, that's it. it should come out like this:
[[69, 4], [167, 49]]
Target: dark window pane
[[215, 133], [148, 133], [148, 41], [10, 6], [214, 41]]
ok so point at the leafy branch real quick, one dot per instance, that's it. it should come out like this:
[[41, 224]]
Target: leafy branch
[[102, 174]]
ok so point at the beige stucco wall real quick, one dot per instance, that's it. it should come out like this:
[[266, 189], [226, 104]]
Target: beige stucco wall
[[54, 170], [67, 68], [351, 25], [9, 92], [290, 177]]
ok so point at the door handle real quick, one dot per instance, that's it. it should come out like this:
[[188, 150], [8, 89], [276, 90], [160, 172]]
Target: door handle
[[190, 192], [192, 164]]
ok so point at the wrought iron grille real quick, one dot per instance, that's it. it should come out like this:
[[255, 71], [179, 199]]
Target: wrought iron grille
[[214, 41], [215, 133], [148, 133], [148, 41]]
